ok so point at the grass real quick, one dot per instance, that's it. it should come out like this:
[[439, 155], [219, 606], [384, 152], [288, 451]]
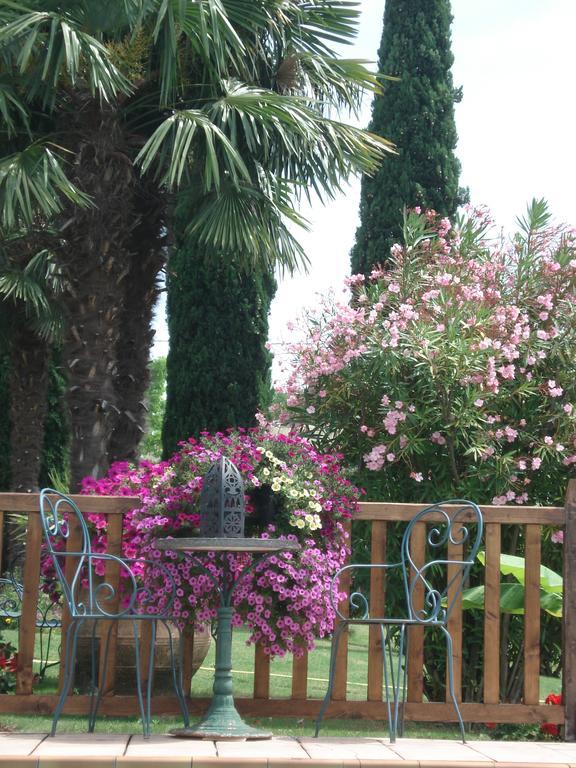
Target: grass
[[280, 687]]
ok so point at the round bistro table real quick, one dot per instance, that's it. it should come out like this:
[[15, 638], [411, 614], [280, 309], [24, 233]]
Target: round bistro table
[[222, 720]]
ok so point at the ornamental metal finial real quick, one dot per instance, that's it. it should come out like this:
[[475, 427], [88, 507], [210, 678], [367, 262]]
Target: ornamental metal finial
[[222, 504]]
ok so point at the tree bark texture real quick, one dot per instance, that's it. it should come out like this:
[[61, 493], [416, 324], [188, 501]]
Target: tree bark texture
[[96, 260], [29, 377], [147, 257]]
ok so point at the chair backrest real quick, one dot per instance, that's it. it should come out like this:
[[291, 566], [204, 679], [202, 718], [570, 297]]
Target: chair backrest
[[11, 592], [60, 515], [82, 573], [438, 574]]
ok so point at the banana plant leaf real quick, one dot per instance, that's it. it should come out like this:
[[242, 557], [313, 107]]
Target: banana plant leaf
[[512, 599], [510, 565]]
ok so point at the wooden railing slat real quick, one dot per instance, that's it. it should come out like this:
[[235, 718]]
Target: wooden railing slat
[[569, 616], [532, 615], [300, 677], [415, 676], [187, 641], [261, 673], [455, 552], [341, 673], [492, 614], [107, 673], [518, 515], [27, 630], [73, 544], [377, 605]]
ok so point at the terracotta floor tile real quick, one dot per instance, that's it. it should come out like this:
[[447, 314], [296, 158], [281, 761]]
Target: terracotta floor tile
[[153, 762], [169, 746], [19, 743], [18, 762], [230, 762], [83, 745], [76, 762], [340, 747], [287, 747], [522, 752], [436, 749]]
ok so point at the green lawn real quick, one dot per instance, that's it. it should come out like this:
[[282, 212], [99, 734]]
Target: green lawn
[[280, 686]]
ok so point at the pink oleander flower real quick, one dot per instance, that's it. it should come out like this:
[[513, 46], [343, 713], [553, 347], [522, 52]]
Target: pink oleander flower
[[473, 330]]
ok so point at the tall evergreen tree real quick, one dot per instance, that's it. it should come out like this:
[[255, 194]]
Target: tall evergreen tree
[[218, 365], [417, 113]]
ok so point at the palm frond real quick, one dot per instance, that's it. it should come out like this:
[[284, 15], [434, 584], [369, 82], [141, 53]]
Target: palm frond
[[12, 109], [288, 137], [51, 45], [33, 183], [171, 147], [209, 35], [244, 221], [18, 286], [316, 26]]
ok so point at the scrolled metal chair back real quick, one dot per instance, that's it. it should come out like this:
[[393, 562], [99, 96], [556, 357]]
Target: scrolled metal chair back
[[11, 592], [60, 515], [441, 578]]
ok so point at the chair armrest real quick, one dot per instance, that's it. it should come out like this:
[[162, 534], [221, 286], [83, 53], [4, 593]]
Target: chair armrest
[[357, 600]]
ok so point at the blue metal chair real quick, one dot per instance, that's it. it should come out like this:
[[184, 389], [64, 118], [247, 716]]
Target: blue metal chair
[[47, 617], [441, 579], [90, 598]]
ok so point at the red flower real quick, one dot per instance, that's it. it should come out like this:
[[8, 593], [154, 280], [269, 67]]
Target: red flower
[[3, 662], [550, 728], [490, 726], [553, 698]]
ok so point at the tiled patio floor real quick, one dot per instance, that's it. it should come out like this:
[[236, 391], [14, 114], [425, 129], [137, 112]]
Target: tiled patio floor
[[102, 751]]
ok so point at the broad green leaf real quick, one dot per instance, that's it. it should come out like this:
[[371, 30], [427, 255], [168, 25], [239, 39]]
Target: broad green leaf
[[511, 565], [512, 599]]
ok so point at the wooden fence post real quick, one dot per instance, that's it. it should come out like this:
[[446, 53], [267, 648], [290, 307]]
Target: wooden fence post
[[569, 616]]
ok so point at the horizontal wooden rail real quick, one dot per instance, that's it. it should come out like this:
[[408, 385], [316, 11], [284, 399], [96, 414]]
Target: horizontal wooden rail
[[263, 703]]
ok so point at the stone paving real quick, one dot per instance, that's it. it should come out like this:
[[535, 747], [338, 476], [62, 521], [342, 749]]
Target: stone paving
[[19, 750]]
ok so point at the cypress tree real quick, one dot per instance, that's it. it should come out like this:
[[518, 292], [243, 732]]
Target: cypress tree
[[218, 367], [416, 112]]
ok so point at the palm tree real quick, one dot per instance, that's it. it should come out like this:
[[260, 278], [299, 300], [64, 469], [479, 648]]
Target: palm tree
[[104, 92], [210, 319]]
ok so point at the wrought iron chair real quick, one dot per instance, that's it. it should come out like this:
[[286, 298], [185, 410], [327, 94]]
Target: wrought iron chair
[[437, 576], [90, 598], [47, 618]]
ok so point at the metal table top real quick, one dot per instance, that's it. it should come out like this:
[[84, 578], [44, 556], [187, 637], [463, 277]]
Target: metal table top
[[227, 545]]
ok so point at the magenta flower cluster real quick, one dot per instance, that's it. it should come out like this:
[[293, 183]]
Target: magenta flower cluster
[[286, 600], [458, 359]]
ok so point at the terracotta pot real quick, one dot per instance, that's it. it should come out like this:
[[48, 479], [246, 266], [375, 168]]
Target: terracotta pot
[[125, 657]]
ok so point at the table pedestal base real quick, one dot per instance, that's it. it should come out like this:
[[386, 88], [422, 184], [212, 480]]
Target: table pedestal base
[[222, 723]]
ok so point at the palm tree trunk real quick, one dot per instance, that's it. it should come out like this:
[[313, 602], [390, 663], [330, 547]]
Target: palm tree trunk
[[29, 378], [96, 260], [141, 290]]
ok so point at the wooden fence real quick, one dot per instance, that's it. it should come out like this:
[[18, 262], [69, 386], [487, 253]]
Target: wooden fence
[[379, 515]]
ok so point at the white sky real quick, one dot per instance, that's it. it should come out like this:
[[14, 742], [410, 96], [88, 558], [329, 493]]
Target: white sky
[[516, 128]]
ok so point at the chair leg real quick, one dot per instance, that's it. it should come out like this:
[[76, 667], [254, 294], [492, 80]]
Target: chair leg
[[450, 663], [177, 664], [93, 679], [145, 722], [333, 655], [71, 637], [150, 681], [403, 657], [96, 700], [396, 679]]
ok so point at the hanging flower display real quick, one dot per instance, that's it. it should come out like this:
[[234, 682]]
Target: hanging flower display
[[292, 492]]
